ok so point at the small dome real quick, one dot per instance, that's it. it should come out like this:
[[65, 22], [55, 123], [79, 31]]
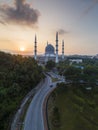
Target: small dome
[[49, 49]]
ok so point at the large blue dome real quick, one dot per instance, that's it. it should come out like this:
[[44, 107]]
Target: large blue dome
[[49, 49]]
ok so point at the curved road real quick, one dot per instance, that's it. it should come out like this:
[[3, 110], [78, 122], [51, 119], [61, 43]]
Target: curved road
[[34, 117]]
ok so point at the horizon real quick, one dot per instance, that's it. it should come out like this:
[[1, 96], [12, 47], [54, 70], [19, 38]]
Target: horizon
[[32, 55]]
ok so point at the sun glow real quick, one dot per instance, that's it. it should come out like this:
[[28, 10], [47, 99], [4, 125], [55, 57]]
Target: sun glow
[[22, 49]]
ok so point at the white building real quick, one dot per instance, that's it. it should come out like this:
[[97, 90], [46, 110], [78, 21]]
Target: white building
[[75, 61], [51, 53]]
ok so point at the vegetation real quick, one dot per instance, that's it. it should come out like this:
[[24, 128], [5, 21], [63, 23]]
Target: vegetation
[[54, 79], [87, 71], [73, 108], [50, 65], [18, 75]]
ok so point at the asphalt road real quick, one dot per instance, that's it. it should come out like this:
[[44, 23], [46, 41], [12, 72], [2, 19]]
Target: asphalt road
[[34, 116], [16, 124]]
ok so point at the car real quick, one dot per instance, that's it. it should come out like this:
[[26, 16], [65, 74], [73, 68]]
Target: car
[[51, 85]]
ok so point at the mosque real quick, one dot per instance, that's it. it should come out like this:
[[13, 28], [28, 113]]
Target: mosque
[[51, 53]]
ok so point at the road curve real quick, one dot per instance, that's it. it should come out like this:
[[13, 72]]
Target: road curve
[[34, 117]]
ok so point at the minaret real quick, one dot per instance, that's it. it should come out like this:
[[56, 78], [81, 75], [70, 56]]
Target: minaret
[[57, 48], [35, 48], [63, 50], [47, 43], [46, 56]]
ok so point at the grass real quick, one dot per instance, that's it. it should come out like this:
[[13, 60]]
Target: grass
[[76, 112], [54, 79]]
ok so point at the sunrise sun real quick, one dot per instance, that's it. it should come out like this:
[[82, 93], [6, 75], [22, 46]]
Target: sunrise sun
[[22, 49]]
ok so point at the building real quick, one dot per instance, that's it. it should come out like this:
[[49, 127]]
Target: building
[[75, 61], [51, 52]]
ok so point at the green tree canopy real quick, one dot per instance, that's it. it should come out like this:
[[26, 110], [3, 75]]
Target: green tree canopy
[[50, 64]]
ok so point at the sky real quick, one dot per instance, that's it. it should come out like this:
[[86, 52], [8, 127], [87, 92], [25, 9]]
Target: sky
[[76, 21]]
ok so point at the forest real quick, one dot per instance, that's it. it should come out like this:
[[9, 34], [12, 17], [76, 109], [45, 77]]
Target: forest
[[18, 75]]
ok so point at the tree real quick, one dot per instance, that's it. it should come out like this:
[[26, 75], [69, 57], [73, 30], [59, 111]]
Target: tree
[[50, 64], [73, 73], [18, 75]]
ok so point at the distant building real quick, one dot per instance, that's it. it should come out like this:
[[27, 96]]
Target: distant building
[[49, 50], [80, 67], [96, 56], [51, 53], [75, 61]]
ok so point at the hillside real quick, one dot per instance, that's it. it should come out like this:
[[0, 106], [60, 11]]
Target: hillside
[[18, 75], [73, 107]]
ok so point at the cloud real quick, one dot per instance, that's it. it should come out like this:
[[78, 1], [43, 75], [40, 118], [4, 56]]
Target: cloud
[[62, 31], [90, 7], [21, 13]]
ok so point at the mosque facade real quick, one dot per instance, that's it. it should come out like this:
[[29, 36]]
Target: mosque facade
[[51, 52]]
